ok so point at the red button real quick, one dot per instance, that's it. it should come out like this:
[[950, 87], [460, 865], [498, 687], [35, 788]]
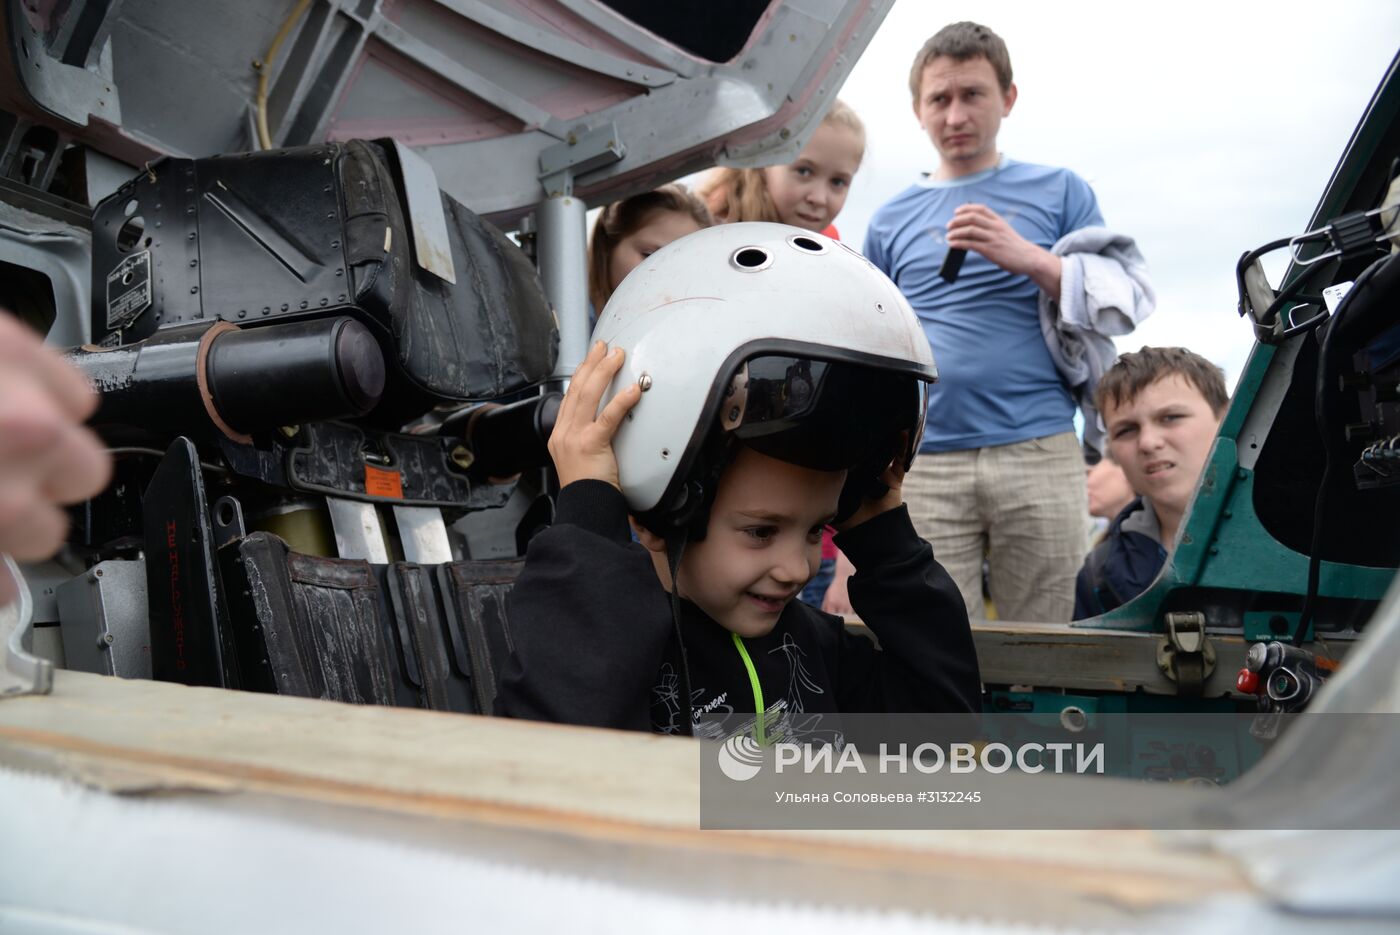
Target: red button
[[1248, 682]]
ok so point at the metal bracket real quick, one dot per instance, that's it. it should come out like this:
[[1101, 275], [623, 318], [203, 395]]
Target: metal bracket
[[1185, 655], [579, 154], [423, 534], [431, 244], [22, 672], [358, 531]]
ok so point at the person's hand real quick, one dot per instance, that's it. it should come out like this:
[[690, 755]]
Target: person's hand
[[977, 227], [581, 443], [47, 457], [838, 599], [893, 478]]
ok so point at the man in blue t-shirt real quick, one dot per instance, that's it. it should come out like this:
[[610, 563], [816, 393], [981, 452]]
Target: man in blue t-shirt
[[1000, 475]]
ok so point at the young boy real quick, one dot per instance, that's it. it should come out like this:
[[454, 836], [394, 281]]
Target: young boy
[[1161, 407], [747, 411]]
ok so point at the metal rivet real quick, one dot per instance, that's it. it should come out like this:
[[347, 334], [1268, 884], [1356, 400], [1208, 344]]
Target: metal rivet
[[665, 452]]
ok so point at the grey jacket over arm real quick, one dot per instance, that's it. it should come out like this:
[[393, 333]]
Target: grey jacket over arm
[[1104, 292]]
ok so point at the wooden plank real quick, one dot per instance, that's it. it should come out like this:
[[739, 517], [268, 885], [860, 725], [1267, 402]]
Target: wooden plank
[[591, 797]]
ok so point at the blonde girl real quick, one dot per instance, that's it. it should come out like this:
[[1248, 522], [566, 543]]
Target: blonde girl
[[808, 192]]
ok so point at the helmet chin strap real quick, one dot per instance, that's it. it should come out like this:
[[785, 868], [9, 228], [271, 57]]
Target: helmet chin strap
[[675, 545]]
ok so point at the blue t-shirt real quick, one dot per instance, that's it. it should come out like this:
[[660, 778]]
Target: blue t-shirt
[[996, 381]]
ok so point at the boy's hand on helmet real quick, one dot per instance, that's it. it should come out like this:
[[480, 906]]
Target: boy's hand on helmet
[[581, 443], [893, 479]]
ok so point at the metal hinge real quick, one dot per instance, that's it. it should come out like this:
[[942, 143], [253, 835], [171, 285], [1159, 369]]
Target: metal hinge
[[1185, 655], [20, 672], [581, 153]]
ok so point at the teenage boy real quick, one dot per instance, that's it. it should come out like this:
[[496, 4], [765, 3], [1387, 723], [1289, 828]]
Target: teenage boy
[[741, 408], [1001, 473], [1161, 407]]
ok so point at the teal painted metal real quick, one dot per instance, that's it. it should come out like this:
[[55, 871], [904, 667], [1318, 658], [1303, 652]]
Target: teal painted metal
[[1219, 750], [1265, 625], [1241, 554]]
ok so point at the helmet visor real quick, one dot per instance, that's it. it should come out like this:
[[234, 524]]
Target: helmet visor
[[824, 415]]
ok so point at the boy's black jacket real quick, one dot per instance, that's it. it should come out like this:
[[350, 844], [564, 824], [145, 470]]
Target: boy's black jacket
[[594, 644]]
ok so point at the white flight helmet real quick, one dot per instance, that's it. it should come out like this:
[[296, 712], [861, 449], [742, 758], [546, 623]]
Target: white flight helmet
[[785, 340]]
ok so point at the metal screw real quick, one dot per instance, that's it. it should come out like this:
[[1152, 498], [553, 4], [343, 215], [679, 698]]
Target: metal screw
[[665, 452], [644, 381]]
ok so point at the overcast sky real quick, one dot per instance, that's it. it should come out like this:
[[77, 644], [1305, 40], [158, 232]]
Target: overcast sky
[[1206, 129]]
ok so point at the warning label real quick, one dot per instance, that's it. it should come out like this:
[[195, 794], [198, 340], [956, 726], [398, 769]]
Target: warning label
[[129, 290], [382, 483]]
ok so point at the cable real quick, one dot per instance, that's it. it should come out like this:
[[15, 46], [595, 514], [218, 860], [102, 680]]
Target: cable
[[1321, 400], [264, 69], [675, 545]]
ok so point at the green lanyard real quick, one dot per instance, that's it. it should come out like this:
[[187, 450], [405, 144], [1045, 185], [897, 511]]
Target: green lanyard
[[760, 715]]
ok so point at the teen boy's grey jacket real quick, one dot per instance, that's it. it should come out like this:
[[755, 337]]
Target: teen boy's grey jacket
[[594, 644]]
